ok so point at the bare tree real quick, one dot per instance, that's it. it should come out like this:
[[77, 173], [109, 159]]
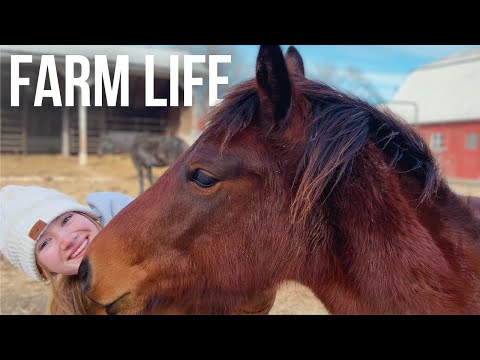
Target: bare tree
[[362, 86], [350, 80]]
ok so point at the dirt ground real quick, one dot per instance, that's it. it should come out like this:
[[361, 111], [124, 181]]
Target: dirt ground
[[21, 295]]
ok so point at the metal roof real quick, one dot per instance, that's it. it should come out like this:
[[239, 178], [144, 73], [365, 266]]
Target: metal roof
[[447, 90], [135, 53]]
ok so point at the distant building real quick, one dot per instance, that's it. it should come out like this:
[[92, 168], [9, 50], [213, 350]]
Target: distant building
[[442, 100], [50, 129]]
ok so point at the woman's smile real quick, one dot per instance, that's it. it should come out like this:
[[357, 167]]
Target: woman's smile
[[80, 249]]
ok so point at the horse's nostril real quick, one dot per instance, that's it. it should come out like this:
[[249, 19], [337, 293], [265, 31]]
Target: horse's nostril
[[84, 274]]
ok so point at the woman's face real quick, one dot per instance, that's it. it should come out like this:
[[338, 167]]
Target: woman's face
[[61, 247]]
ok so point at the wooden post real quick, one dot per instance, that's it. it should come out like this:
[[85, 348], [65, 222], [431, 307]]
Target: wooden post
[[102, 128], [186, 130], [82, 131], [24, 117], [195, 123], [66, 131]]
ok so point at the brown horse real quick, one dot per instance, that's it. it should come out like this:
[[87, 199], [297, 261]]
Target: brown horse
[[293, 180]]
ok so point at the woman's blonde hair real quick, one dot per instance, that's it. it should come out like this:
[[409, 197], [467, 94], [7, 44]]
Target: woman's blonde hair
[[66, 296]]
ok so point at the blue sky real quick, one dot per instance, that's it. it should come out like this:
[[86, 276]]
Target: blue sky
[[385, 67]]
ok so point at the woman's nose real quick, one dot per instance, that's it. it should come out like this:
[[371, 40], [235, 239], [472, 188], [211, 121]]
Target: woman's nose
[[67, 240]]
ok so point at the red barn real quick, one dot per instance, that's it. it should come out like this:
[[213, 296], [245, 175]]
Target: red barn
[[442, 100]]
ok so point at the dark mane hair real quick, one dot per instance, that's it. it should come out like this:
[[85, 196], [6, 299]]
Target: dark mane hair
[[340, 127]]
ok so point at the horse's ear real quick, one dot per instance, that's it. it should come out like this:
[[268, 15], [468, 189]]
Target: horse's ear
[[273, 81], [294, 61]]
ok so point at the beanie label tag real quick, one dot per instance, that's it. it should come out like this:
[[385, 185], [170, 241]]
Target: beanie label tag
[[37, 229]]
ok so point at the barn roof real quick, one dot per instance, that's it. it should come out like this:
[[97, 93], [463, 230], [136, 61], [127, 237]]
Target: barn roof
[[447, 90], [136, 55]]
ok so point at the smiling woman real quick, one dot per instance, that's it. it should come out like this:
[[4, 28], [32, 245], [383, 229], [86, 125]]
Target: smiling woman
[[61, 247], [45, 233]]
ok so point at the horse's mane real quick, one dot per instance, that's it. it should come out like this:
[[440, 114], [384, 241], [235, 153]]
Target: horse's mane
[[341, 126]]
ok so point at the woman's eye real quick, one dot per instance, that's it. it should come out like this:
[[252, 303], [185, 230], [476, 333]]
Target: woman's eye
[[65, 220], [43, 244], [201, 178]]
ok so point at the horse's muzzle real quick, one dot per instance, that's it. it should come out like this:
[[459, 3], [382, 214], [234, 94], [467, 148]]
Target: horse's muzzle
[[115, 307]]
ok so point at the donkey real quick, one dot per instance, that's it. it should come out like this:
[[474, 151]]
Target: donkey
[[149, 151]]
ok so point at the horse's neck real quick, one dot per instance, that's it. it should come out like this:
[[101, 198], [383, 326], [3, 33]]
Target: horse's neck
[[385, 255]]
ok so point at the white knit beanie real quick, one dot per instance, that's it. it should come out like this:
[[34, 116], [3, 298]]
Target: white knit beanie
[[25, 212]]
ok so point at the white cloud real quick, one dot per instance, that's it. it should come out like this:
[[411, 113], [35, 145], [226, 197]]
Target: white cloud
[[385, 83], [360, 82], [384, 78]]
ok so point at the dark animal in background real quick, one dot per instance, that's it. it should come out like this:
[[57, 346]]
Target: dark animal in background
[[159, 150]]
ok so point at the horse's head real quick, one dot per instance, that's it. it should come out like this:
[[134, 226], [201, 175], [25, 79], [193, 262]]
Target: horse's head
[[245, 207], [201, 238]]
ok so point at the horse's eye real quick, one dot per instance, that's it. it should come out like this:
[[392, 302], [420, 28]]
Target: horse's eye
[[201, 178]]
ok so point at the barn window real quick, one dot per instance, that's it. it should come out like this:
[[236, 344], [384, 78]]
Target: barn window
[[472, 141], [436, 142]]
